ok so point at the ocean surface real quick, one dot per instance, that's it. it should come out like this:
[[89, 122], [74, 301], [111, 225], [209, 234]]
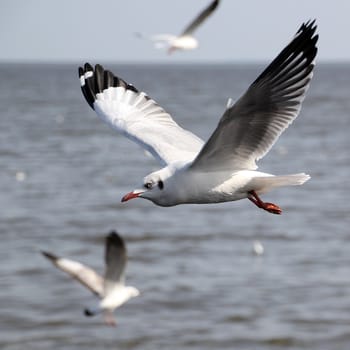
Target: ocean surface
[[63, 173]]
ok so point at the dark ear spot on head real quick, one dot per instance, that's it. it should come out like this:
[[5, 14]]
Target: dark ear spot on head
[[160, 184]]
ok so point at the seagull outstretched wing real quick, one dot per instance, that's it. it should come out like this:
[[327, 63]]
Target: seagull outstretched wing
[[137, 116], [83, 274], [200, 18], [250, 127]]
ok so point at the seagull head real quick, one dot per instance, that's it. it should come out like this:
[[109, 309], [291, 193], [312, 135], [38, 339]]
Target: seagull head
[[133, 292], [155, 188]]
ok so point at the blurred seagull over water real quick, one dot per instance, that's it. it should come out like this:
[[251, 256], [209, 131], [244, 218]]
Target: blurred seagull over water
[[111, 288], [186, 40], [224, 168]]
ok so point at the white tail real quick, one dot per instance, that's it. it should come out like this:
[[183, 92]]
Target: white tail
[[264, 184]]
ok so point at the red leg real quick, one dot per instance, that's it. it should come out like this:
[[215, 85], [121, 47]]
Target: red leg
[[109, 318], [171, 49], [270, 207]]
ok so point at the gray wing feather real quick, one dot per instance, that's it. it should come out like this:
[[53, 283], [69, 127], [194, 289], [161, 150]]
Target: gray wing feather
[[83, 274], [116, 259], [201, 18], [250, 127]]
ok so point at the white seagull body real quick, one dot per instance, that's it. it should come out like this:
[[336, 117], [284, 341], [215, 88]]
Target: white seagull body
[[186, 40], [111, 288], [224, 168]]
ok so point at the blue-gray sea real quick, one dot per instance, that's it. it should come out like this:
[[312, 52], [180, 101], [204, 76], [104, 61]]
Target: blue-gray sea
[[63, 173]]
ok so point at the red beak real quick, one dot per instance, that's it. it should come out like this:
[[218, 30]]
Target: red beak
[[130, 195]]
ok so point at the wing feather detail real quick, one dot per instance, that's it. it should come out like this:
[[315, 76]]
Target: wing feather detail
[[249, 128], [200, 18], [116, 260], [82, 273], [137, 116]]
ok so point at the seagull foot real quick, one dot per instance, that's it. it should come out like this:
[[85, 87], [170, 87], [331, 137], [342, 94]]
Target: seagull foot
[[112, 323], [109, 318], [171, 49], [270, 207]]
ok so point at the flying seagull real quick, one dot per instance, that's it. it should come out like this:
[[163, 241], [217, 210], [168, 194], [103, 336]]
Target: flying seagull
[[186, 40], [224, 168], [111, 288]]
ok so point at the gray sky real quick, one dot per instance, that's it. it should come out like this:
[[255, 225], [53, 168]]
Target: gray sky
[[248, 30]]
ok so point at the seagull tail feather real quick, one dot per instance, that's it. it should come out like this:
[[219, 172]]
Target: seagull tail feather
[[267, 183]]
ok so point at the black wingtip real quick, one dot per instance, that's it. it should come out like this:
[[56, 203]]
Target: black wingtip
[[87, 85], [89, 313], [114, 238], [113, 233], [50, 256], [99, 78], [94, 81], [310, 24], [301, 48], [88, 67], [307, 30], [108, 79], [215, 4]]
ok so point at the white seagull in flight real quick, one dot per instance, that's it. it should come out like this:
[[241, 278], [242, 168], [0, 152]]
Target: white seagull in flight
[[184, 41], [224, 168], [111, 288]]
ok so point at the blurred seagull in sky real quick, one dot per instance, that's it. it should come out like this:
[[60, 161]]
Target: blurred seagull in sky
[[186, 40]]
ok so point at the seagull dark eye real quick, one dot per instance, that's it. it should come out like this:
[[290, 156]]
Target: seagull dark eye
[[148, 185], [160, 184]]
